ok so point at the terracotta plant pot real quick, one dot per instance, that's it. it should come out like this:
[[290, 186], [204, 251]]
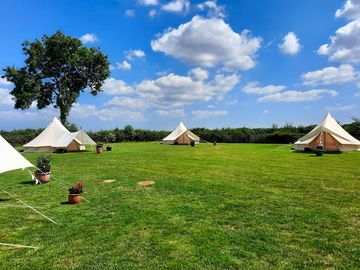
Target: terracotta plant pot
[[74, 198], [43, 177], [99, 148]]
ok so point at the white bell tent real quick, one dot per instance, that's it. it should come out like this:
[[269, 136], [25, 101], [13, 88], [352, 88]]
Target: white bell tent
[[331, 135], [56, 137], [181, 135], [10, 160]]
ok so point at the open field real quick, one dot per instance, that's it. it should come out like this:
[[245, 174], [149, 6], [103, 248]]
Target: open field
[[232, 206]]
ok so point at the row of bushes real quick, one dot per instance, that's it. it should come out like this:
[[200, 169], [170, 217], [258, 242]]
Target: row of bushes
[[285, 134]]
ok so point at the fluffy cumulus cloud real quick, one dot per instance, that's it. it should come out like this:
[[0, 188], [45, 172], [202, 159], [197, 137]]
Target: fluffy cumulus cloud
[[177, 6], [132, 54], [209, 42], [5, 97], [199, 74], [176, 91], [214, 10], [115, 87], [290, 44], [255, 88], [88, 38], [350, 10], [129, 102], [330, 75], [148, 2], [298, 96], [4, 82], [344, 45], [171, 113], [208, 114], [124, 65], [340, 107], [82, 111]]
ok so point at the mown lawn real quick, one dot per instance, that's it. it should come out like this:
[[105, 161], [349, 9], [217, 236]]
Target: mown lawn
[[232, 206]]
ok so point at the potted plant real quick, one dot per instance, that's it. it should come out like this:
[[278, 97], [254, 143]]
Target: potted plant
[[319, 149], [99, 148], [43, 168], [192, 143], [75, 191]]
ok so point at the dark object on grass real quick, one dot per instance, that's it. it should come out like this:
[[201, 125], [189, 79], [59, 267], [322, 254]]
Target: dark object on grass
[[307, 149], [214, 143], [108, 148], [192, 143], [99, 148], [319, 150]]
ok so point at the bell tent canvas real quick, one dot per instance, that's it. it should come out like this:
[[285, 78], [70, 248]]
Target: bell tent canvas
[[181, 135], [331, 135], [56, 137], [10, 159]]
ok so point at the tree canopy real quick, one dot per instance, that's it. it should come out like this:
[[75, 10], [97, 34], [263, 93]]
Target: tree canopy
[[57, 69]]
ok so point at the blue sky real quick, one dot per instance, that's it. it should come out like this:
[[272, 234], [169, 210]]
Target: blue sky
[[208, 63]]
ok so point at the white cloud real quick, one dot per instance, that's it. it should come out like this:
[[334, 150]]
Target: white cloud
[[4, 81], [152, 13], [254, 88], [115, 87], [131, 54], [208, 42], [298, 96], [350, 10], [290, 44], [357, 94], [214, 10], [171, 113], [124, 65], [130, 12], [330, 75], [88, 38], [344, 46], [82, 111], [5, 97], [148, 2], [128, 102], [339, 107], [177, 6], [199, 74], [208, 114], [175, 91]]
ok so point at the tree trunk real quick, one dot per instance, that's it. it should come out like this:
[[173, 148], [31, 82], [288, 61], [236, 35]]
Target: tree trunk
[[64, 113]]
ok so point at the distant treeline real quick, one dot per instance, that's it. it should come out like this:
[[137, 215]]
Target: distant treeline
[[285, 134]]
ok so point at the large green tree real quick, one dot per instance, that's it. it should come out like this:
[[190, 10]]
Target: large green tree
[[57, 69]]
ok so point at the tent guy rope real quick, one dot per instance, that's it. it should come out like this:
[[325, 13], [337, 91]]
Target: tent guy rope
[[32, 208]]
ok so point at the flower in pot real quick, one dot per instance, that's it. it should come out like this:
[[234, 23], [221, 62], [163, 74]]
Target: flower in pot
[[99, 148], [43, 168], [75, 191]]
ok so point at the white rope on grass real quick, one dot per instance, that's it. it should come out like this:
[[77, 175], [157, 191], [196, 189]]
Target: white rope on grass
[[16, 245], [32, 208]]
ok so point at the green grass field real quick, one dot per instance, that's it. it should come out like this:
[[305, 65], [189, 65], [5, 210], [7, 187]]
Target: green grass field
[[232, 206]]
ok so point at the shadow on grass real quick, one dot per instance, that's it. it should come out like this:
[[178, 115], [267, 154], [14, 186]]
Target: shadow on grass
[[29, 182], [66, 202], [4, 200]]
